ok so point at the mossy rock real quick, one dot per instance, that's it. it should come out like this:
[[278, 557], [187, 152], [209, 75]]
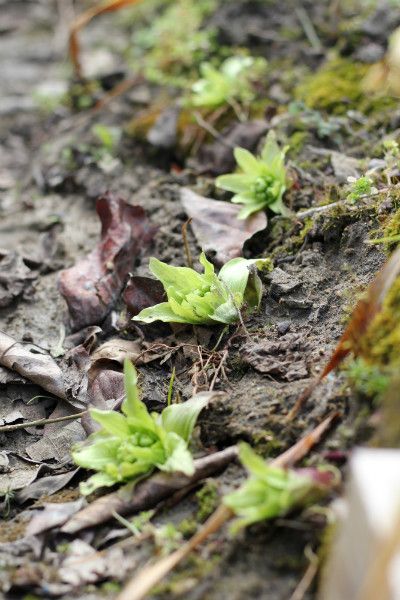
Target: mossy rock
[[338, 86]]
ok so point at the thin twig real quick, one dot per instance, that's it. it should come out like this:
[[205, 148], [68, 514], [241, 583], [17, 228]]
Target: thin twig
[[211, 130], [218, 369], [308, 28], [39, 422], [308, 576], [318, 209], [188, 254]]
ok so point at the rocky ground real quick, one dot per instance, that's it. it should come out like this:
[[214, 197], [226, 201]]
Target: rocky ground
[[54, 166]]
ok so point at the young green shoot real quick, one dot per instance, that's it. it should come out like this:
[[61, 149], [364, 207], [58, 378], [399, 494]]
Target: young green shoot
[[262, 182], [129, 446], [231, 82], [207, 298], [358, 188], [272, 491]]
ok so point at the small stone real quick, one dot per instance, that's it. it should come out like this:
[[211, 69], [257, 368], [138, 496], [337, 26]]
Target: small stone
[[371, 53], [297, 303], [282, 282], [283, 327], [344, 166]]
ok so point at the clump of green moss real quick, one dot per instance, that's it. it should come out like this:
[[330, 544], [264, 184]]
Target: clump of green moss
[[391, 232], [297, 141], [337, 87], [368, 380], [187, 527], [380, 345], [208, 499], [266, 443]]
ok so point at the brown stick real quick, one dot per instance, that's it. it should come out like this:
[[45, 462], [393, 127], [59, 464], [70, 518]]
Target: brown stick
[[188, 254], [16, 426], [82, 20]]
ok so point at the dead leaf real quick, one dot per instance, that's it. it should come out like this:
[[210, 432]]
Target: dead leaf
[[15, 277], [58, 445], [148, 493], [164, 132], [17, 410], [115, 350], [17, 474], [84, 564], [142, 292], [45, 486], [53, 515], [216, 226], [92, 286], [344, 166], [32, 362]]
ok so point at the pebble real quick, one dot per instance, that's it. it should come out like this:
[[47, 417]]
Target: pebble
[[282, 282]]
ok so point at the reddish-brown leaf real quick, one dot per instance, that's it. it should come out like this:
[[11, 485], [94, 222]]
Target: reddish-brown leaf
[[142, 292], [92, 286]]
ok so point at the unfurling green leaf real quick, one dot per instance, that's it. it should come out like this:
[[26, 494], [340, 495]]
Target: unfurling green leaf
[[130, 445], [206, 298], [232, 81], [262, 182], [272, 491]]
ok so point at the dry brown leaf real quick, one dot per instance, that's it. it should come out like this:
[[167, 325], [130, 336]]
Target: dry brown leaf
[[32, 362], [217, 227]]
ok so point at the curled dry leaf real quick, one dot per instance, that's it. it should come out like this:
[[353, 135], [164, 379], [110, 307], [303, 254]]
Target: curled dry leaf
[[83, 564], [45, 486], [217, 227], [32, 362], [148, 493], [53, 515], [92, 286]]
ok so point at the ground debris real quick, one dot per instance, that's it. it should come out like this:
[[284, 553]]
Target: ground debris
[[283, 359]]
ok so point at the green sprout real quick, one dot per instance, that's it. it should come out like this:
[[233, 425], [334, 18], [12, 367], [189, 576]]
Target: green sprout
[[130, 445], [206, 299], [233, 81], [272, 491], [263, 181], [359, 188], [107, 136]]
